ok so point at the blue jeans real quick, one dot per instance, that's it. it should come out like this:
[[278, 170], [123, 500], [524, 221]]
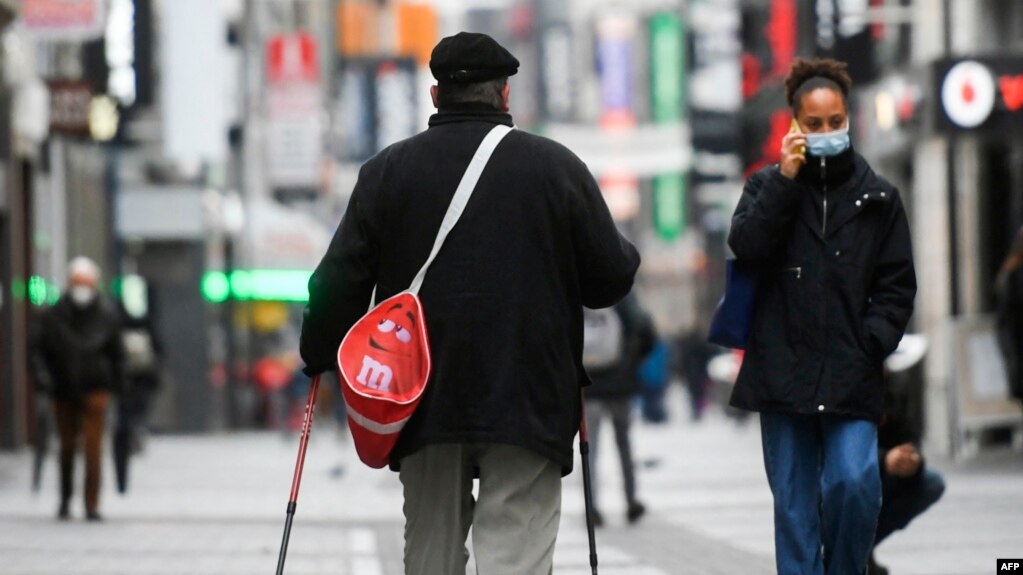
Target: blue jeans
[[904, 499], [824, 476]]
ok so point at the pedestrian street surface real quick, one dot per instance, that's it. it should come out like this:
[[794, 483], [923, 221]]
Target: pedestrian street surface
[[215, 505]]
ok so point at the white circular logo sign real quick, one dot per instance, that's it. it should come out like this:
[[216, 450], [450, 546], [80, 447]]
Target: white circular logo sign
[[968, 94]]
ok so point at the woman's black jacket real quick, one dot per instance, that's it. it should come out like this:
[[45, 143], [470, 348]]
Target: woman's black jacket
[[832, 254]]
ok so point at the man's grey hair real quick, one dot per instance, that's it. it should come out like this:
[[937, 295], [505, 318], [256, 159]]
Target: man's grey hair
[[489, 92]]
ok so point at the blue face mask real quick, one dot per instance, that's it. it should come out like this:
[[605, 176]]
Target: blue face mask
[[829, 143]]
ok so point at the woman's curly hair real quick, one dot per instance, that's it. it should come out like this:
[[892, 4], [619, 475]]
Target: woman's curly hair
[[826, 69]]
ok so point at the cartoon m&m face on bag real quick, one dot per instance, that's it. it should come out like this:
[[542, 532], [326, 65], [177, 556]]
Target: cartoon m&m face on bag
[[387, 351], [395, 331]]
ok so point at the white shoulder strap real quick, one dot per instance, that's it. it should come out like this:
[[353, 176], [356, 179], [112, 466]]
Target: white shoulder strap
[[461, 197]]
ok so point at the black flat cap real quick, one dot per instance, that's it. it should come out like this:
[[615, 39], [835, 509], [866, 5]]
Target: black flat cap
[[468, 57]]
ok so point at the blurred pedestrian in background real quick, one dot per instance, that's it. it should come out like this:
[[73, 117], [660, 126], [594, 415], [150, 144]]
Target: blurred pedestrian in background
[[654, 374], [141, 378], [615, 342], [504, 301], [692, 355], [77, 360], [908, 486], [142, 361], [830, 243], [1009, 291]]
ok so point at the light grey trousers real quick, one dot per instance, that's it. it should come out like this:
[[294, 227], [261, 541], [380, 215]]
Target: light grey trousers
[[514, 520]]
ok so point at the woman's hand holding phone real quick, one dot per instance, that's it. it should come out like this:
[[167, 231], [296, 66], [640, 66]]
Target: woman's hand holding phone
[[793, 152]]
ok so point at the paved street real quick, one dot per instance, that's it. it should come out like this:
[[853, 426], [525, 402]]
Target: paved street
[[215, 505]]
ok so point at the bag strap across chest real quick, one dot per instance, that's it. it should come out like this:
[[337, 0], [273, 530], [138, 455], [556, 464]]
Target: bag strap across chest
[[461, 198]]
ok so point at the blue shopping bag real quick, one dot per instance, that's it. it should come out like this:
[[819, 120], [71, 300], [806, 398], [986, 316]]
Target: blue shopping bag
[[730, 324]]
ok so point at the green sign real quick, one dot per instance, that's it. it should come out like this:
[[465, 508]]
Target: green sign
[[42, 292], [667, 67], [257, 285], [670, 205]]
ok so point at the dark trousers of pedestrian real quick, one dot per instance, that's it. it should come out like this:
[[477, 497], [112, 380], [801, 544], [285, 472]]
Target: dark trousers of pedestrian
[[826, 483], [85, 419], [619, 411], [905, 499]]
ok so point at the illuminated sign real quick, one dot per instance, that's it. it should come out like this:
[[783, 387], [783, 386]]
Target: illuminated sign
[[968, 94], [257, 285], [63, 19], [983, 94]]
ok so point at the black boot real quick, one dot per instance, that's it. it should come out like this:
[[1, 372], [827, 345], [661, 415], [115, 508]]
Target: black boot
[[873, 568], [67, 475], [636, 510]]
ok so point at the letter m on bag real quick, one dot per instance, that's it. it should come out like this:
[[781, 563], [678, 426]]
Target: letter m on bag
[[375, 374]]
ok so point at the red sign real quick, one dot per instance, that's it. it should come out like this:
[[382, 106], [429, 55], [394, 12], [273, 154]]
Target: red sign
[[63, 18], [984, 94], [292, 58], [1012, 91]]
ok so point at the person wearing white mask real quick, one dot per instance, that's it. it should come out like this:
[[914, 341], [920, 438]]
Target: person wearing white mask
[[77, 360], [830, 245]]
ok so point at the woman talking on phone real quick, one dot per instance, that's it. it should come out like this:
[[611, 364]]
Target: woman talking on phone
[[830, 245]]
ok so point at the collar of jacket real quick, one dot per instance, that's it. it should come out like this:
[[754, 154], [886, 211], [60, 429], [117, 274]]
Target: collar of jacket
[[858, 191], [470, 113], [839, 169]]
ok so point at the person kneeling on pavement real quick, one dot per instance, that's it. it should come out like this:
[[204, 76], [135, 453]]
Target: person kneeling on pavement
[[908, 487]]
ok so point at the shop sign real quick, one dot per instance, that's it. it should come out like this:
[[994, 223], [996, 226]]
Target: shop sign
[[557, 73], [294, 111], [69, 107], [292, 59], [63, 19], [669, 195], [395, 102], [621, 192], [667, 69], [615, 36], [984, 94]]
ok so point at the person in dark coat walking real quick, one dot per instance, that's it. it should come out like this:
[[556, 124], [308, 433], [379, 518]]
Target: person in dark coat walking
[[1009, 292], [830, 243], [611, 396], [77, 360], [503, 301]]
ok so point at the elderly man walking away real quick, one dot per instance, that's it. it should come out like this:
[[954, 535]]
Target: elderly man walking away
[[504, 301], [77, 360]]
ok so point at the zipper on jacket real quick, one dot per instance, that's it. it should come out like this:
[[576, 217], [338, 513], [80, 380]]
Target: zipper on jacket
[[798, 270], [824, 179]]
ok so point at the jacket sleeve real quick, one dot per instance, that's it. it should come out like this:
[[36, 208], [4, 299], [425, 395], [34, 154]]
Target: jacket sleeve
[[342, 284], [607, 261], [893, 286], [766, 209]]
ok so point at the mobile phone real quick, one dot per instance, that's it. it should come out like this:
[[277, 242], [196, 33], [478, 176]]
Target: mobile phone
[[794, 127]]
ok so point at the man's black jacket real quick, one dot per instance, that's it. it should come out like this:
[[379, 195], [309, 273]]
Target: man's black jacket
[[833, 298], [75, 351], [503, 300]]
